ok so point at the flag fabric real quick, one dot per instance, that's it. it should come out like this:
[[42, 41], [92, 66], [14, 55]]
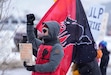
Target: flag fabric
[[73, 27], [55, 0], [82, 21]]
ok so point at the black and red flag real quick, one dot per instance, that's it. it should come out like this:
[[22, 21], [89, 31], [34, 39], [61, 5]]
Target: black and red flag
[[73, 24]]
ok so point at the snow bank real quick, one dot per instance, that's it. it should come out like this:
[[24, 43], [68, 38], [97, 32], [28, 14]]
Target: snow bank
[[11, 61]]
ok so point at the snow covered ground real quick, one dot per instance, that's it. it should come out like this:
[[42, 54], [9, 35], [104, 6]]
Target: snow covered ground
[[23, 71], [18, 71]]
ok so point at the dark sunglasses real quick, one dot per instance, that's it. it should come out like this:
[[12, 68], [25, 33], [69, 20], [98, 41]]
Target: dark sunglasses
[[45, 30]]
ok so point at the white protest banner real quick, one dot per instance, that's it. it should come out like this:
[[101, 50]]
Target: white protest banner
[[95, 16], [103, 27]]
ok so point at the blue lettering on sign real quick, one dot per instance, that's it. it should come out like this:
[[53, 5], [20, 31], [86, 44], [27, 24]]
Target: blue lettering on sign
[[100, 12], [94, 25], [95, 13]]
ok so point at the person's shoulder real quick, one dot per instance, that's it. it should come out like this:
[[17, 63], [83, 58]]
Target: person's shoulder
[[58, 45], [58, 49]]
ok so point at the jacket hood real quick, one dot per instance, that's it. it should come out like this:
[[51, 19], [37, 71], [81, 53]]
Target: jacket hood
[[103, 43], [53, 27]]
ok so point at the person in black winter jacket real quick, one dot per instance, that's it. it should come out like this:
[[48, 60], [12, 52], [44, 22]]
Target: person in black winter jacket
[[85, 58], [105, 57]]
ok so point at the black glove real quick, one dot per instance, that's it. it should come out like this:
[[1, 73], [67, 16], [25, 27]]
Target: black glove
[[29, 68], [30, 19]]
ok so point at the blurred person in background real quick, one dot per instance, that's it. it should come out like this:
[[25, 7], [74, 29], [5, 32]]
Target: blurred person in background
[[99, 55], [105, 57]]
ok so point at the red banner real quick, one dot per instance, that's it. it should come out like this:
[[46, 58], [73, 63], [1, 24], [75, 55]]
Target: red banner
[[60, 11], [74, 27]]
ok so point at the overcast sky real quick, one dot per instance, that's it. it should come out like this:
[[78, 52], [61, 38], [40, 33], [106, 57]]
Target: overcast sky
[[39, 7], [18, 7]]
